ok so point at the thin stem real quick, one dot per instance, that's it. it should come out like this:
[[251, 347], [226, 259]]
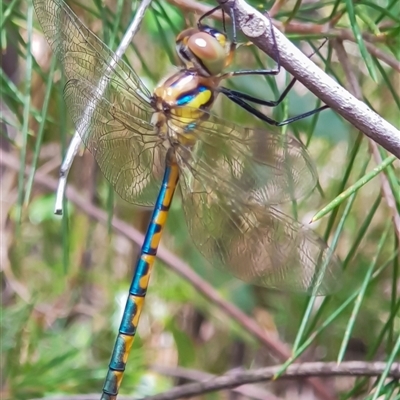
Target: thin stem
[[329, 369]]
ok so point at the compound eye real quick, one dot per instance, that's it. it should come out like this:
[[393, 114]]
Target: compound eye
[[181, 43], [209, 51]]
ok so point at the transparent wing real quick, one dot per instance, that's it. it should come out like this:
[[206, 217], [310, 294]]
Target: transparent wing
[[124, 146], [230, 179], [257, 244], [264, 167], [83, 55], [108, 104]]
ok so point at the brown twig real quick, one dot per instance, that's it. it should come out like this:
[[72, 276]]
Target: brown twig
[[295, 371], [304, 370], [280, 350], [89, 396], [250, 391]]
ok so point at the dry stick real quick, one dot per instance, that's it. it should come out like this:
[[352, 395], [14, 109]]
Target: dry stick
[[90, 396], [256, 27], [304, 370], [251, 391], [280, 350], [295, 371], [356, 90]]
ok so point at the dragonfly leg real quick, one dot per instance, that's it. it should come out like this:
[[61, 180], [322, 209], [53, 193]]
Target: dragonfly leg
[[239, 98]]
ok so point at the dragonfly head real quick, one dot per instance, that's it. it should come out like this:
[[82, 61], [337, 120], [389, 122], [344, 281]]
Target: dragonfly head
[[205, 49]]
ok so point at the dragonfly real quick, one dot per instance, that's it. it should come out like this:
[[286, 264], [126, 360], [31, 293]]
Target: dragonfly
[[231, 179], [210, 52]]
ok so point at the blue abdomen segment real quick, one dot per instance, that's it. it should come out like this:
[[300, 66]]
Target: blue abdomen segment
[[132, 308], [143, 268], [140, 280]]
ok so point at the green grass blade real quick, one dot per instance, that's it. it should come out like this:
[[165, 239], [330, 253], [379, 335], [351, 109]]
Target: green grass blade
[[343, 182], [388, 7], [385, 77], [116, 18], [353, 188], [7, 13], [394, 185], [361, 232], [395, 294], [328, 321], [391, 360], [375, 346], [384, 11], [360, 297], [294, 12], [325, 301], [388, 325], [167, 18], [39, 139], [166, 44], [26, 114], [359, 39]]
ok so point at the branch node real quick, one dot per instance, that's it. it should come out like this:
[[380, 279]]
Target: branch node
[[249, 21]]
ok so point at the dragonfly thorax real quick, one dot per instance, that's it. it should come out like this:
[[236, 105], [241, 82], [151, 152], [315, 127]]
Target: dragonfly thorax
[[185, 95], [180, 102], [204, 49]]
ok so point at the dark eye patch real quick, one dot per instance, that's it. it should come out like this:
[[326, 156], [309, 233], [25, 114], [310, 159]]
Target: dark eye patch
[[211, 31]]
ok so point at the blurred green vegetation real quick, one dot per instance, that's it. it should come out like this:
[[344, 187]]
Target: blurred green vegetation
[[64, 279]]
